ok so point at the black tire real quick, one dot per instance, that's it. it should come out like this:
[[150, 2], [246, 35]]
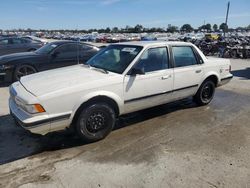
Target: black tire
[[234, 54], [205, 93], [95, 122], [23, 70]]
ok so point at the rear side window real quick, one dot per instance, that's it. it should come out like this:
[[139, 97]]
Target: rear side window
[[25, 41], [86, 47], [183, 56], [67, 48], [16, 41], [4, 41]]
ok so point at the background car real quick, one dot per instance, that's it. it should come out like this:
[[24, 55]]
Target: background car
[[11, 45], [52, 55], [37, 39]]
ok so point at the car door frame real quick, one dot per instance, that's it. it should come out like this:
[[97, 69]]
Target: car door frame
[[191, 89], [135, 104]]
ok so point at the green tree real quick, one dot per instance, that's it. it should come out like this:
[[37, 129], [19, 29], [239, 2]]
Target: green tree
[[208, 27], [107, 30], [172, 29], [187, 28], [138, 28], [115, 30], [224, 27], [215, 27]]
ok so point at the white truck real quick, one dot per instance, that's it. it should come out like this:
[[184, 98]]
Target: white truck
[[122, 78]]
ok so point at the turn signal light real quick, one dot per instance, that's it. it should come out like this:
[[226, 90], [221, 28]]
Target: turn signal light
[[39, 108]]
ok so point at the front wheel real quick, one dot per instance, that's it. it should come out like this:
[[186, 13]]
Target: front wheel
[[205, 93], [23, 70], [95, 122]]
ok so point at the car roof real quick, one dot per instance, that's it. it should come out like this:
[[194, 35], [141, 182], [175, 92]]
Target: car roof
[[70, 41], [154, 43]]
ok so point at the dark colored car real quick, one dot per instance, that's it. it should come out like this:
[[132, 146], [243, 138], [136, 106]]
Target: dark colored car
[[50, 56], [11, 45]]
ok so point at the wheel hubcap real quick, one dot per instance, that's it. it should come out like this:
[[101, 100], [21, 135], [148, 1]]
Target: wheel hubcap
[[207, 92], [23, 71], [96, 122]]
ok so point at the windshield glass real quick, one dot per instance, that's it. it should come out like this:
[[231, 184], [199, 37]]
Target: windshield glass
[[115, 58], [46, 48]]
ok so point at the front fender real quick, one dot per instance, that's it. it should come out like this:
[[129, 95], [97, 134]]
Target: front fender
[[87, 97]]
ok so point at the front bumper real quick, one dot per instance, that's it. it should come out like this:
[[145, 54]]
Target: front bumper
[[34, 124], [5, 75]]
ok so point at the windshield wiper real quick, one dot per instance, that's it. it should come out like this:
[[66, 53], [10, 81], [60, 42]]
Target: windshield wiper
[[86, 65], [99, 69]]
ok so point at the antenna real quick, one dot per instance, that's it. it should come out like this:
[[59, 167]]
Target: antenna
[[228, 6]]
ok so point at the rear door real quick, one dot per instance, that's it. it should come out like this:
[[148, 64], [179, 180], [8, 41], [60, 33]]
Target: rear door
[[17, 45], [188, 71], [152, 88], [5, 46]]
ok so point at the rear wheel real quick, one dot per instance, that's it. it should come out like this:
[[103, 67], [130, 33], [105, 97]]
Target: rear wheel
[[205, 93], [23, 70], [234, 54], [95, 122]]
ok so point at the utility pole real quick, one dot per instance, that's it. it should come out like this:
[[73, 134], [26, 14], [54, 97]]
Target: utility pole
[[228, 6]]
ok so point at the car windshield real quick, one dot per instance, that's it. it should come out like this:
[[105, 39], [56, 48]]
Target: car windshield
[[46, 49], [115, 58]]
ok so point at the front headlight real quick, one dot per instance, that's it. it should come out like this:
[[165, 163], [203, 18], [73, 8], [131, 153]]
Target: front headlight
[[5, 67], [30, 108], [33, 108]]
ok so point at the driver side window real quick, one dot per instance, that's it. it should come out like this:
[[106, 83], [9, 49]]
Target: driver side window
[[153, 59]]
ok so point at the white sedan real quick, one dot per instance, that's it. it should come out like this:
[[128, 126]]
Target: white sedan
[[121, 79]]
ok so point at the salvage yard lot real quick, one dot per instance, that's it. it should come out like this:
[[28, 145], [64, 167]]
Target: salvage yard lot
[[173, 145]]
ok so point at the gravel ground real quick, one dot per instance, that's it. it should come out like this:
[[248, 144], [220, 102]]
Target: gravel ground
[[173, 145]]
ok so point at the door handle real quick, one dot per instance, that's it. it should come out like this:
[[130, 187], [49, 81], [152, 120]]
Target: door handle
[[166, 77], [198, 71]]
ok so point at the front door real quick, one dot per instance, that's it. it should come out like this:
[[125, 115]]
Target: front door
[[152, 88], [64, 55]]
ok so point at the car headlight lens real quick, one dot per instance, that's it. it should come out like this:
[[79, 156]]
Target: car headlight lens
[[4, 67], [33, 108], [30, 108]]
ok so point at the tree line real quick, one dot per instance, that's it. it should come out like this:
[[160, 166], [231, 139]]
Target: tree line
[[139, 29]]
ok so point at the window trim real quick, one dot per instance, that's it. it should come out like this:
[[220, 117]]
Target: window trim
[[196, 55]]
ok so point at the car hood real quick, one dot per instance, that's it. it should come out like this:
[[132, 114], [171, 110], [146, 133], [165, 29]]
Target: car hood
[[67, 78], [18, 56]]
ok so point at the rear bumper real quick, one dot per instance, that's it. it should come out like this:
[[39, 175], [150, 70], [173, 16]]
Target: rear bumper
[[225, 80]]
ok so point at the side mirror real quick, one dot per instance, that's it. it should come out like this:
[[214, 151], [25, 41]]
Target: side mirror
[[135, 71]]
